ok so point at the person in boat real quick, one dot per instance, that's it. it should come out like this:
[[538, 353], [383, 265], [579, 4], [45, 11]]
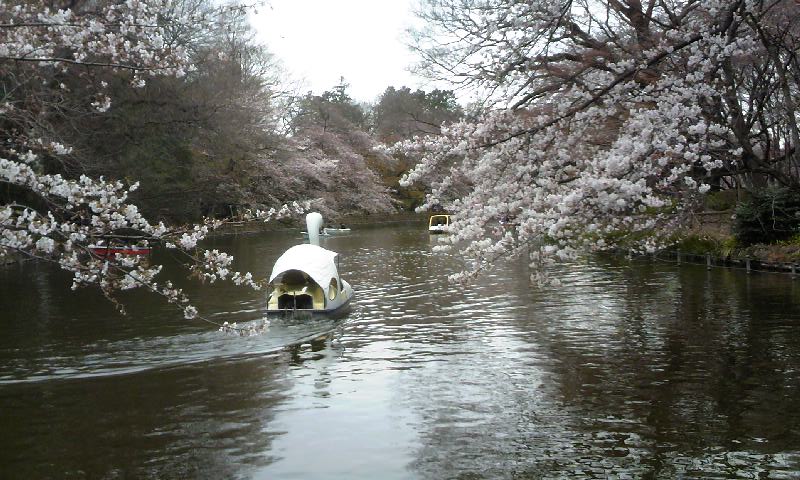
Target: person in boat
[[342, 226]]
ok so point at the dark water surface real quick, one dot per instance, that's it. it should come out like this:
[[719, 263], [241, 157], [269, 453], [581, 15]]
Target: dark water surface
[[627, 370]]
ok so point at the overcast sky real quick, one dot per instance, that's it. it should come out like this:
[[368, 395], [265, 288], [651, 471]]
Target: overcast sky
[[322, 40]]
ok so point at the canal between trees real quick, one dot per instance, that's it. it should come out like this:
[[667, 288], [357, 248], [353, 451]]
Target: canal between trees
[[628, 369]]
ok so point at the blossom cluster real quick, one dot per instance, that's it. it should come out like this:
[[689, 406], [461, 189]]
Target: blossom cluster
[[133, 35], [594, 137], [86, 213], [65, 220]]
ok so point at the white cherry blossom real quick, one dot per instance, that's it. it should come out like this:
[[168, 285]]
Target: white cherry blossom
[[601, 123], [63, 217]]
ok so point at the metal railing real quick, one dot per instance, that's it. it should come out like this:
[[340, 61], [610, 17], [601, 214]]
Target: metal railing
[[747, 265]]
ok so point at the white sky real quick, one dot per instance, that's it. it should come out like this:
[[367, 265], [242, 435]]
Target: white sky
[[322, 40]]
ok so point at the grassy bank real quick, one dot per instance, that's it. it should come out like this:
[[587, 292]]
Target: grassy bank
[[728, 248]]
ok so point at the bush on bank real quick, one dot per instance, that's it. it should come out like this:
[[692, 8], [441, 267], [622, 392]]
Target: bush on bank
[[764, 226], [769, 216]]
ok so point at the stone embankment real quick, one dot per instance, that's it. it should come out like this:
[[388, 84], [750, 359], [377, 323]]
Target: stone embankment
[[717, 224]]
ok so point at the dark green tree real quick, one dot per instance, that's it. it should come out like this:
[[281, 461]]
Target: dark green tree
[[401, 113], [334, 109]]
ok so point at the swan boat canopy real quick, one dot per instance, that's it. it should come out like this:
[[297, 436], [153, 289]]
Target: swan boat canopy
[[306, 278]]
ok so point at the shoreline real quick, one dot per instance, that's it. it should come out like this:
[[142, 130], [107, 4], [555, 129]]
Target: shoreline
[[251, 228], [362, 221]]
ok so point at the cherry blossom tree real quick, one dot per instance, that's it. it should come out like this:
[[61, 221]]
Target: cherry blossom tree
[[45, 50], [332, 158], [603, 123]]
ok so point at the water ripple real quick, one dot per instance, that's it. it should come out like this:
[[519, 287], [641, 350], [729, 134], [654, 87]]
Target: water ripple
[[629, 369]]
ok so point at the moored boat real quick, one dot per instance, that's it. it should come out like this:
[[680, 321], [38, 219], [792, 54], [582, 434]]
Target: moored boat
[[321, 234], [111, 250]]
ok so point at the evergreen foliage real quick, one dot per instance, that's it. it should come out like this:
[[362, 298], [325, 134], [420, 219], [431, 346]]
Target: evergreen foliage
[[769, 216]]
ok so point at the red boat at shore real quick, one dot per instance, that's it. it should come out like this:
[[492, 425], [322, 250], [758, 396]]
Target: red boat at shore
[[111, 250]]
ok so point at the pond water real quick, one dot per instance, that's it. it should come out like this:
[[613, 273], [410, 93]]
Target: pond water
[[629, 369]]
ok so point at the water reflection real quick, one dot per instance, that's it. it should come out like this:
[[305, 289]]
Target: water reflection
[[209, 421], [629, 370]]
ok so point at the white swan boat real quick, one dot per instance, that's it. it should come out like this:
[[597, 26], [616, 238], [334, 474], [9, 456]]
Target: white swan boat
[[335, 231], [323, 234], [306, 277]]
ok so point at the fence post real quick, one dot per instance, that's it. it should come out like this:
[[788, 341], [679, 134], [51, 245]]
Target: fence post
[[708, 261]]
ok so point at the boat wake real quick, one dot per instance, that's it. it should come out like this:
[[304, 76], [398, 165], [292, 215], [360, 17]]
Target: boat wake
[[135, 355]]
